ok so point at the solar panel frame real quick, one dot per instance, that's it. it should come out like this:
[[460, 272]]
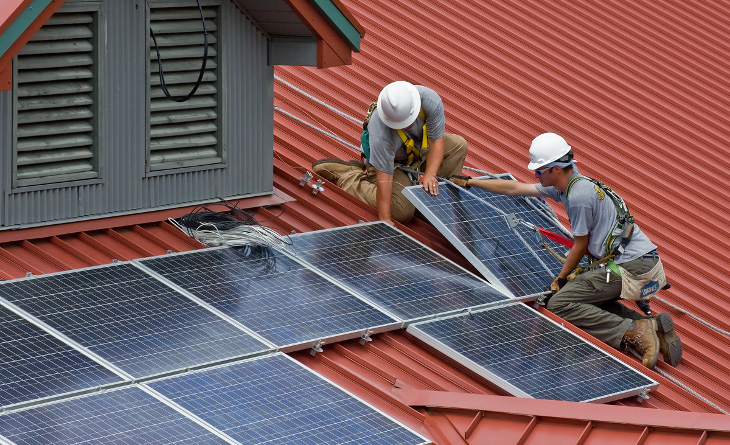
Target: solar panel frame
[[470, 225], [129, 320], [63, 362], [126, 415], [385, 279], [367, 319], [518, 363], [273, 399]]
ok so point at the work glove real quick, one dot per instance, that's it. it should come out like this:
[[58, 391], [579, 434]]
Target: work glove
[[576, 272], [460, 180], [558, 284], [554, 287]]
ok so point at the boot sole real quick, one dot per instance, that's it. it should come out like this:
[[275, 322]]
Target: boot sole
[[669, 342]]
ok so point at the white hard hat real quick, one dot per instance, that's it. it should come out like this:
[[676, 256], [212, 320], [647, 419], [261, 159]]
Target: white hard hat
[[547, 148], [398, 104]]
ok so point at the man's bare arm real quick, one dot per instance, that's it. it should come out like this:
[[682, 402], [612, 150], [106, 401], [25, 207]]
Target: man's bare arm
[[382, 195], [505, 187]]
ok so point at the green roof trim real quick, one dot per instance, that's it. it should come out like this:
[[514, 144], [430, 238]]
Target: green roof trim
[[338, 20], [23, 22]]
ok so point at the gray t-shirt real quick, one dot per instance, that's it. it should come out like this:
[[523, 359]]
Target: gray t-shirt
[[386, 147], [590, 215]]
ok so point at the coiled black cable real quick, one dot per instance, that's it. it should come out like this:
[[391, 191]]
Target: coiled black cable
[[202, 68]]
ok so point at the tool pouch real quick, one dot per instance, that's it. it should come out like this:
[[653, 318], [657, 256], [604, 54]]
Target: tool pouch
[[644, 286]]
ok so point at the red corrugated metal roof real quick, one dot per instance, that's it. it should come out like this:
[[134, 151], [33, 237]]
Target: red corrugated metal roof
[[639, 89], [642, 83]]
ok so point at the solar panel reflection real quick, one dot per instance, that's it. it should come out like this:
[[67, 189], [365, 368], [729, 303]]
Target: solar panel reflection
[[275, 400], [509, 257], [130, 319], [271, 294], [393, 270], [35, 365], [128, 416], [534, 356]]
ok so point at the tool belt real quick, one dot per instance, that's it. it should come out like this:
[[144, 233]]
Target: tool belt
[[643, 286]]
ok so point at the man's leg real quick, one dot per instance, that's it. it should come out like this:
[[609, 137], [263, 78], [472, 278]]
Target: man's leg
[[455, 148], [364, 187], [579, 300]]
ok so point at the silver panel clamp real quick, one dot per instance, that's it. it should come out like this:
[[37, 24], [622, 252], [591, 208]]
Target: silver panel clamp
[[317, 347]]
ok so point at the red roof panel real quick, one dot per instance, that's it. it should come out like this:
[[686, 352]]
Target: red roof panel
[[639, 89]]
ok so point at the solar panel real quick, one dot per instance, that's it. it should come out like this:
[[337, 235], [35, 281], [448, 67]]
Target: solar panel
[[35, 365], [131, 319], [126, 416], [273, 295], [393, 270], [529, 355], [509, 258], [276, 400]]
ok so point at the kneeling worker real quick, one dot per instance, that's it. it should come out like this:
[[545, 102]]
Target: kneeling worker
[[406, 128], [590, 301]]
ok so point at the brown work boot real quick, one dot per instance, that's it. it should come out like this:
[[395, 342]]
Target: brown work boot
[[669, 343], [644, 339], [332, 169]]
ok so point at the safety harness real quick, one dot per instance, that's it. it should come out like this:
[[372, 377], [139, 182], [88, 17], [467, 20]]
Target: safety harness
[[620, 235], [414, 152]]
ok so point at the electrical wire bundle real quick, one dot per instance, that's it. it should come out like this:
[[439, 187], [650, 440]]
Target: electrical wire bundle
[[236, 227]]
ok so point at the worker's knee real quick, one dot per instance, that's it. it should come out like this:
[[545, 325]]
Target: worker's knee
[[454, 155], [557, 305], [402, 211], [455, 145]]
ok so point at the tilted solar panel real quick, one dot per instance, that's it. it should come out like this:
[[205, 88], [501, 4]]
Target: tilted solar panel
[[393, 270], [529, 355], [276, 400], [130, 319], [478, 226], [125, 416], [271, 294], [35, 365]]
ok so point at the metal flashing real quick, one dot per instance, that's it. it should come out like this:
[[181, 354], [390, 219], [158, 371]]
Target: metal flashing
[[338, 21]]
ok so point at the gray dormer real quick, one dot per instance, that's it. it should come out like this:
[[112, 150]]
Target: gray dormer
[[87, 129]]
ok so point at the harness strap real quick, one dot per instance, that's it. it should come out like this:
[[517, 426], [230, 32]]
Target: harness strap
[[414, 153], [624, 228]]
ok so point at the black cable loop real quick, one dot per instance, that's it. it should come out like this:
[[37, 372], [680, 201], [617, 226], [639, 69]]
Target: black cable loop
[[202, 68]]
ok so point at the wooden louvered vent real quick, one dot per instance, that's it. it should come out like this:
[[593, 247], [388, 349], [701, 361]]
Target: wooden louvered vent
[[183, 134], [56, 103]]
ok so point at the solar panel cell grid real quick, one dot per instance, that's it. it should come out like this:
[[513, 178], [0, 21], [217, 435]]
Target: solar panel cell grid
[[274, 400], [130, 319], [393, 270], [129, 416], [476, 222], [35, 365], [274, 296], [540, 358]]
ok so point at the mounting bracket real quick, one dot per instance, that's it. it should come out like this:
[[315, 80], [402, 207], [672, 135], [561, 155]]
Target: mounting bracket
[[318, 187], [317, 347], [365, 337]]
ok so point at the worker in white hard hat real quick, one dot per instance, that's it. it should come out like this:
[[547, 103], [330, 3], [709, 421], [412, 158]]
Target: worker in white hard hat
[[624, 257], [404, 133]]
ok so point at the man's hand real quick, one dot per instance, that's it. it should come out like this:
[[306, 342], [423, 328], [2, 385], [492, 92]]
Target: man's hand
[[461, 181], [390, 221], [431, 184], [558, 284]]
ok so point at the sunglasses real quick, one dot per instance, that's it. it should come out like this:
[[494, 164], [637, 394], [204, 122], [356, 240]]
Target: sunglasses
[[543, 170]]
